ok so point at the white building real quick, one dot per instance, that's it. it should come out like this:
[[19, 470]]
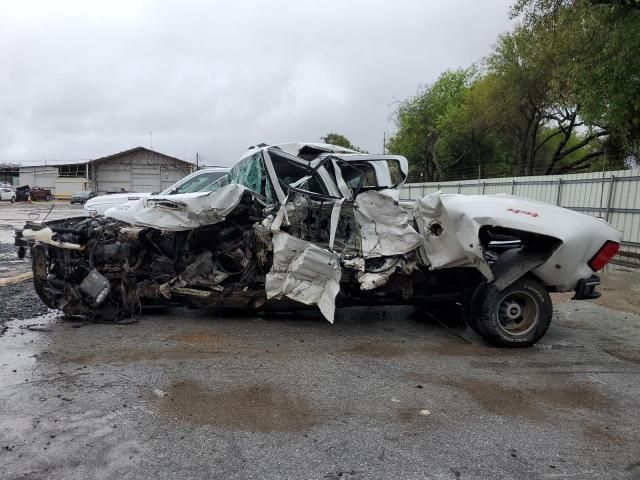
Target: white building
[[136, 170]]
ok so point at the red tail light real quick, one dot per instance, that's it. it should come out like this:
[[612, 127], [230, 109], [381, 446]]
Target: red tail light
[[606, 253]]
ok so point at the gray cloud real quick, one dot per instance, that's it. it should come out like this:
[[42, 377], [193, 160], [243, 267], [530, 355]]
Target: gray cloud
[[86, 79]]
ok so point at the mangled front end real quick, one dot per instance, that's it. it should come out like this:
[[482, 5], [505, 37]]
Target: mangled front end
[[202, 248]]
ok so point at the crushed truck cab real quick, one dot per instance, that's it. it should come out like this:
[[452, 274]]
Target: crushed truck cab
[[302, 224]]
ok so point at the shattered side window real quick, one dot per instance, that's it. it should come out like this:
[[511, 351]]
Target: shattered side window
[[251, 173], [289, 172], [357, 173], [371, 174]]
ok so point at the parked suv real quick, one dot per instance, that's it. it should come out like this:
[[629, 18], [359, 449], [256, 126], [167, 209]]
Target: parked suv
[[82, 197]]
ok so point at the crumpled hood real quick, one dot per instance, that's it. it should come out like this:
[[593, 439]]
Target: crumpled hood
[[180, 212], [115, 198]]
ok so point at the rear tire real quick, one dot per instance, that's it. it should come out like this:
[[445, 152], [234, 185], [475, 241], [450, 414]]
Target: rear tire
[[517, 316]]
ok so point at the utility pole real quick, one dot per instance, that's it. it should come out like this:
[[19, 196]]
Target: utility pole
[[384, 143], [197, 162], [151, 139]]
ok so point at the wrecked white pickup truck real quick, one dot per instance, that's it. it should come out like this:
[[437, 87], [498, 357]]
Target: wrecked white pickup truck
[[296, 225]]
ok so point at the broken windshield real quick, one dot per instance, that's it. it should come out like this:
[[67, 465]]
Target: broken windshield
[[251, 173]]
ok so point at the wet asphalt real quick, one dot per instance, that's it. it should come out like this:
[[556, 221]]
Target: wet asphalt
[[382, 393]]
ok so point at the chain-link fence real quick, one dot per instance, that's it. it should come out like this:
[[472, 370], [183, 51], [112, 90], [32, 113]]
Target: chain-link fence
[[613, 195]]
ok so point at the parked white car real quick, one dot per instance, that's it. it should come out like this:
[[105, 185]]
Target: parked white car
[[194, 182], [7, 194]]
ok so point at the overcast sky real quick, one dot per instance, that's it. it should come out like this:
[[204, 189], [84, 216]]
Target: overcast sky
[[82, 79]]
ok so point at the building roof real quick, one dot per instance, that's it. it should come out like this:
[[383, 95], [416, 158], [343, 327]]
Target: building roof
[[57, 163], [135, 150], [53, 163]]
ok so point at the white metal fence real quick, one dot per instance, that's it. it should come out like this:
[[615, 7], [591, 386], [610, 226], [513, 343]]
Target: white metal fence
[[614, 196]]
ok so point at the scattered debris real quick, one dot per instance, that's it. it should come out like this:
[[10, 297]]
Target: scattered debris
[[36, 327], [15, 279], [160, 393]]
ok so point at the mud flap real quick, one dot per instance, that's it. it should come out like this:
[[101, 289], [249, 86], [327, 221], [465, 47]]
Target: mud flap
[[515, 264]]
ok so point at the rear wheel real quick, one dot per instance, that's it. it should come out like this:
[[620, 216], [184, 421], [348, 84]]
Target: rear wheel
[[517, 316], [13, 199]]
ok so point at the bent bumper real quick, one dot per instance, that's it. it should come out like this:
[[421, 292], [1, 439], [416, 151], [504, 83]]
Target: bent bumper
[[586, 289]]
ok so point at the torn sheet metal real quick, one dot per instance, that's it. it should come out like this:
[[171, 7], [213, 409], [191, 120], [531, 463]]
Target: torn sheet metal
[[377, 277], [180, 212], [371, 281], [344, 189], [451, 238], [335, 216], [384, 225], [304, 272]]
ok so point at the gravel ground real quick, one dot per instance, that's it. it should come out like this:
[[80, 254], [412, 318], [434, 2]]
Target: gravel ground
[[20, 301]]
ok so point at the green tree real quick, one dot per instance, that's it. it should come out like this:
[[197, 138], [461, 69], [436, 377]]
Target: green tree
[[419, 121], [341, 141], [457, 128], [559, 93], [597, 43]]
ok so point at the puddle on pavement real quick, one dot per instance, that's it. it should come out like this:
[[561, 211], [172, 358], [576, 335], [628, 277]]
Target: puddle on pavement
[[200, 338], [12, 266], [7, 233], [193, 345], [448, 347], [599, 434], [625, 354], [9, 261], [20, 345], [457, 348], [534, 403], [260, 408]]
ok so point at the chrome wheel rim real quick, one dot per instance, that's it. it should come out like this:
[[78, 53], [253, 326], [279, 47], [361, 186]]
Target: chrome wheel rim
[[517, 313]]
